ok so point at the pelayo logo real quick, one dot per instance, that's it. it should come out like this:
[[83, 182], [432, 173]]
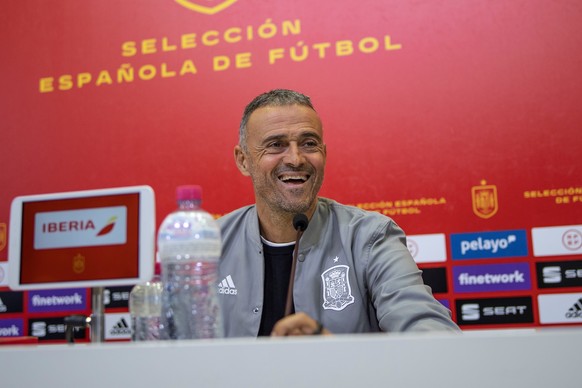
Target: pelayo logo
[[207, 7], [488, 245]]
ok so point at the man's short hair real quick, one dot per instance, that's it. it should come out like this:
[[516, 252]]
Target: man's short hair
[[276, 97]]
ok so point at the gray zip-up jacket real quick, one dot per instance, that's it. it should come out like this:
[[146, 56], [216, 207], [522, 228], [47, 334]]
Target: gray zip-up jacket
[[354, 274]]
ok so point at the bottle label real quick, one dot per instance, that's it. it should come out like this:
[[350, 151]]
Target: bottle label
[[190, 250]]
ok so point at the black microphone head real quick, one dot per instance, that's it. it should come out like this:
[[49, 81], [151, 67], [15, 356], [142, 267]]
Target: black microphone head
[[300, 222]]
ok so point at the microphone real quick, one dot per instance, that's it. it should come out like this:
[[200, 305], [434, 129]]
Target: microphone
[[300, 223]]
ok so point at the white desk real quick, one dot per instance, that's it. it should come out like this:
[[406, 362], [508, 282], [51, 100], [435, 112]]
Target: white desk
[[548, 358]]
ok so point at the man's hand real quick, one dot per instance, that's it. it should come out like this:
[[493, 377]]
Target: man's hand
[[298, 324]]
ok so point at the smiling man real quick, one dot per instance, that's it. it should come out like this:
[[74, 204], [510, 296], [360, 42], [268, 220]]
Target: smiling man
[[354, 273]]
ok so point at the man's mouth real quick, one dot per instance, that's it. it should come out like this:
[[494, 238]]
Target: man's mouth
[[294, 178]]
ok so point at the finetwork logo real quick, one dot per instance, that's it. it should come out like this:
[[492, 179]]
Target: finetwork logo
[[72, 299], [494, 311], [486, 245], [559, 274], [11, 327], [489, 278], [81, 228]]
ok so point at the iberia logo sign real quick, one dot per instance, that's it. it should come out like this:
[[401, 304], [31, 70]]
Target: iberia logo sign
[[207, 7], [80, 228]]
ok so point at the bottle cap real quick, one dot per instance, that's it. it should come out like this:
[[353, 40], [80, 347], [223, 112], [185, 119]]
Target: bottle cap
[[189, 192]]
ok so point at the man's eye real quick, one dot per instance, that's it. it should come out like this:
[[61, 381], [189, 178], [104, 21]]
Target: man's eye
[[275, 146], [310, 144]]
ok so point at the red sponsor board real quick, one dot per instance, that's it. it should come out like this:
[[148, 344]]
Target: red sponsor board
[[450, 117]]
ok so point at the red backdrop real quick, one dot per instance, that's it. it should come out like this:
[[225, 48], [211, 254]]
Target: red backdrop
[[421, 102]]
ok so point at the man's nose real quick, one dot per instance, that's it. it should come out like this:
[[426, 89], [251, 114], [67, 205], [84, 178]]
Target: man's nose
[[293, 156]]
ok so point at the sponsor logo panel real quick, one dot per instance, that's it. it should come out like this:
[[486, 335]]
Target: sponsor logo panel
[[559, 274], [494, 311], [492, 277], [12, 327], [560, 308], [11, 302], [49, 329], [116, 297], [117, 326], [557, 240], [489, 245], [436, 279], [80, 228], [71, 299], [427, 248]]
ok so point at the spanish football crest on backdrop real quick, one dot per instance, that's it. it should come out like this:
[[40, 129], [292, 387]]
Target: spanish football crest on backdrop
[[484, 197]]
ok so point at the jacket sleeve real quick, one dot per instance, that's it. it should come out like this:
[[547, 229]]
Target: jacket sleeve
[[401, 299]]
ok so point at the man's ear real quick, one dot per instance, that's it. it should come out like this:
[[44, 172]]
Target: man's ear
[[241, 160]]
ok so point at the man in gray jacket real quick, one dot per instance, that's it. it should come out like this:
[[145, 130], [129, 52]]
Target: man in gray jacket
[[354, 273]]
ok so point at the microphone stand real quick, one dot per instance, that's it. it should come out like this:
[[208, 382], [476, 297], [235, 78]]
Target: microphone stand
[[300, 223]]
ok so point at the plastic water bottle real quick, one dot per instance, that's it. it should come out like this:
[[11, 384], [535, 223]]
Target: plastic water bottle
[[145, 308], [189, 247]]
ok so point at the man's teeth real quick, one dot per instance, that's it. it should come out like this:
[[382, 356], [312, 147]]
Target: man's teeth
[[287, 178]]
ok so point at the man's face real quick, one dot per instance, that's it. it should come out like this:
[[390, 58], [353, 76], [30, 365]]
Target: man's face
[[285, 158]]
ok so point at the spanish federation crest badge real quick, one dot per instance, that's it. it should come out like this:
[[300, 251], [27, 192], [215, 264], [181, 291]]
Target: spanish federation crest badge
[[484, 200], [337, 293]]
